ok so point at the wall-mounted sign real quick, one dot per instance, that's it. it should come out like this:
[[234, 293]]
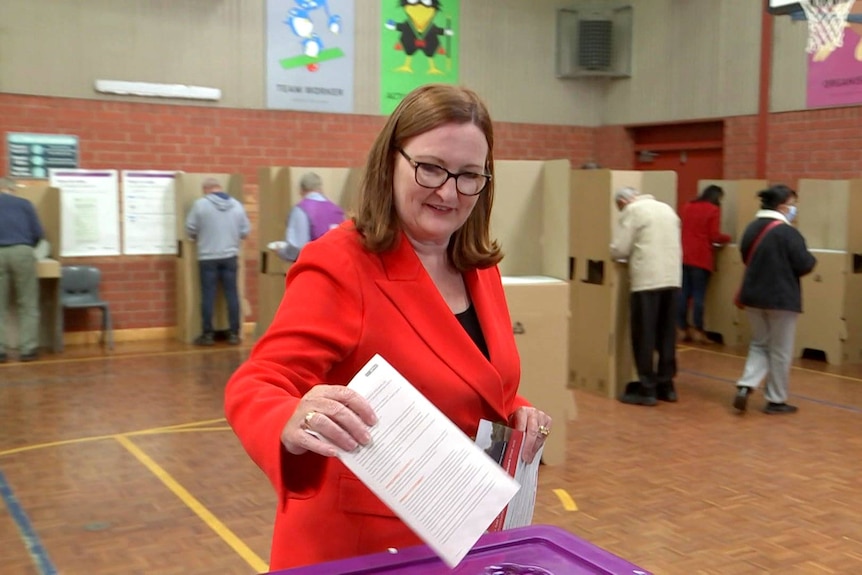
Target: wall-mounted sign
[[32, 155]]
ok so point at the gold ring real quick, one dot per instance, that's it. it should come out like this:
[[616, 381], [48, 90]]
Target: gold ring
[[308, 417], [544, 430]]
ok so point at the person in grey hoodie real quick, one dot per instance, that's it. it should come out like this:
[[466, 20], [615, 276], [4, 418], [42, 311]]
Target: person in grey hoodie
[[217, 223]]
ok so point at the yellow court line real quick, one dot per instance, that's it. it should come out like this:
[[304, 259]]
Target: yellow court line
[[164, 431], [151, 431], [54, 444], [228, 536], [797, 368], [566, 499], [185, 425]]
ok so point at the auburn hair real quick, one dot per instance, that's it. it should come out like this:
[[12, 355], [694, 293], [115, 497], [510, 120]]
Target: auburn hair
[[424, 109]]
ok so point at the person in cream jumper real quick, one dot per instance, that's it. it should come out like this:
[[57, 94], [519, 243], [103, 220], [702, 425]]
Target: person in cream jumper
[[647, 235]]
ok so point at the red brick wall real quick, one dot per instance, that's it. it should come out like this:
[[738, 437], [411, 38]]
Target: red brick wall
[[823, 144], [740, 148], [122, 135], [614, 148]]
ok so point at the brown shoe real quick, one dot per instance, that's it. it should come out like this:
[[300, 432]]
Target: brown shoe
[[682, 335]]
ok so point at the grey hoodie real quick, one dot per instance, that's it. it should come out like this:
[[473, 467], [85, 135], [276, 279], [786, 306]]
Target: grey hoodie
[[217, 222]]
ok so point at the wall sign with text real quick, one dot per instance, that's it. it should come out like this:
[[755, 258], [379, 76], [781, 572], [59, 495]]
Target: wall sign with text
[[32, 155]]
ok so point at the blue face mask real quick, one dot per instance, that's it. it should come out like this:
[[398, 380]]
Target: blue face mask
[[791, 213]]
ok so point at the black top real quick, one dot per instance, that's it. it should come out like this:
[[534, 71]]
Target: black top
[[470, 322], [771, 279]]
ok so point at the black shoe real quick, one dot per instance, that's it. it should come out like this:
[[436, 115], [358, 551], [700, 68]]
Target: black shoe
[[205, 339], [778, 408], [740, 402], [29, 356], [3, 357], [666, 392], [638, 399], [233, 339]]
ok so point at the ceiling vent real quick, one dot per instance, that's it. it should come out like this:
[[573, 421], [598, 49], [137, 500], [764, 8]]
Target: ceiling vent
[[594, 42]]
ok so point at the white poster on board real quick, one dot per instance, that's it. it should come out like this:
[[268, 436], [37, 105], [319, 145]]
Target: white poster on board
[[149, 213], [89, 211]]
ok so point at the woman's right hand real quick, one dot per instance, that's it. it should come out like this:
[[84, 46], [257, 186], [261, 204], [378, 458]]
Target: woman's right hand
[[338, 416]]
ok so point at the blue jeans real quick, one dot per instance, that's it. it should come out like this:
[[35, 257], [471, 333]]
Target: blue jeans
[[213, 272], [694, 282]]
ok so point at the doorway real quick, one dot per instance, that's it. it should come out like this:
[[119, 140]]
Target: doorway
[[695, 151]]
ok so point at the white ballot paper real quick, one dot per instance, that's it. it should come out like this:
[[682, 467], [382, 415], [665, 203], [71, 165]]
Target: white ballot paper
[[434, 477]]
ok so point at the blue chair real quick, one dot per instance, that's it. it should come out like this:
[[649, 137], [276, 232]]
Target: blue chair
[[79, 289]]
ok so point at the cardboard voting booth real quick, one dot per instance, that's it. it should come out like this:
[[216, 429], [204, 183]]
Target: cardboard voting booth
[[723, 321], [529, 220], [278, 192], [831, 319], [538, 307], [46, 200], [600, 354], [187, 191]]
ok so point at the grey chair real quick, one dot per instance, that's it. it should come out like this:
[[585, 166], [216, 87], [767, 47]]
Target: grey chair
[[79, 289]]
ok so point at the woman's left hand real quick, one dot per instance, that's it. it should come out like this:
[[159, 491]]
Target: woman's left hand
[[536, 426]]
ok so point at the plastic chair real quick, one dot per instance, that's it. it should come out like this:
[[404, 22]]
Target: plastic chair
[[79, 289]]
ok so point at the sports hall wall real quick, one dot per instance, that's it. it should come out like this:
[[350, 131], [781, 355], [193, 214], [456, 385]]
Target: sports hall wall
[[691, 60]]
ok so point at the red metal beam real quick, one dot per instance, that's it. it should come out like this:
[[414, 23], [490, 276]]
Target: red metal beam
[[766, 22]]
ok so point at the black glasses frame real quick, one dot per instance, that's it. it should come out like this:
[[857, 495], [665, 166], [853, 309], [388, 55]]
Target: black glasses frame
[[449, 175]]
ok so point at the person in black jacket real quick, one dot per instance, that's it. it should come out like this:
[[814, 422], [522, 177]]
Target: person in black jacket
[[776, 257]]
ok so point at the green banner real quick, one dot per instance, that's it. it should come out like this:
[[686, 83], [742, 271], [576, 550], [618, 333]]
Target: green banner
[[419, 45]]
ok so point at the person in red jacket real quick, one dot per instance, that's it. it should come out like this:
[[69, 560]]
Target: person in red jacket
[[701, 233], [412, 276]]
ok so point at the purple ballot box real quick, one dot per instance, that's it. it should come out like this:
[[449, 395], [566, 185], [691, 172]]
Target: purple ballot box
[[534, 550]]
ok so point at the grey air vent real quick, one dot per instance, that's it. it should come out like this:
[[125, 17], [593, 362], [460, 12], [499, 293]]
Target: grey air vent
[[594, 42]]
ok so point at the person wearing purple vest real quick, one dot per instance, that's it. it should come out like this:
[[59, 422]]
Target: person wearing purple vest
[[312, 217]]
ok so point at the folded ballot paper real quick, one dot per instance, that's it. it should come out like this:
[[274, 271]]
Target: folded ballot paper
[[434, 477], [504, 445]]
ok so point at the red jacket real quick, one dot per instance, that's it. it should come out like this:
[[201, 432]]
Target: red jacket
[[343, 304], [701, 227]]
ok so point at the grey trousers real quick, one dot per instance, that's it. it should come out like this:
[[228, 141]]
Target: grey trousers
[[18, 268], [770, 353]]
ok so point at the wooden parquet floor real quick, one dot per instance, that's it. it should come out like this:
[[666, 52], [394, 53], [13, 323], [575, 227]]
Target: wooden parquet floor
[[121, 463]]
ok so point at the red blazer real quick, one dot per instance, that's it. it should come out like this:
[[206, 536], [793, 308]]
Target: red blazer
[[342, 305], [701, 227]]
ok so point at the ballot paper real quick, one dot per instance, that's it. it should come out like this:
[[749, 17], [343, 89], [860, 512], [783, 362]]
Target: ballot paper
[[434, 477], [505, 446]]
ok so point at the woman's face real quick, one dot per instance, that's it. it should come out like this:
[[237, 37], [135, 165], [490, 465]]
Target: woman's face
[[431, 216]]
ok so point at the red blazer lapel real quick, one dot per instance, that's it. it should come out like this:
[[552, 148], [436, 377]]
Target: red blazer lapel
[[410, 289]]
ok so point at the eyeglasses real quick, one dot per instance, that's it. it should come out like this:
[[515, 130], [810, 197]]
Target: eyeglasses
[[432, 176]]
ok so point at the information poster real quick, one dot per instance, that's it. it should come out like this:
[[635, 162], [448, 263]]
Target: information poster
[[89, 212], [309, 55], [149, 213], [32, 155]]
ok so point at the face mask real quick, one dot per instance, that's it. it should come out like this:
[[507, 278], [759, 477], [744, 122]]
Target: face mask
[[791, 213]]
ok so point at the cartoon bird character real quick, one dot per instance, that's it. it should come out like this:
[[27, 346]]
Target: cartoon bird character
[[300, 23], [419, 32]]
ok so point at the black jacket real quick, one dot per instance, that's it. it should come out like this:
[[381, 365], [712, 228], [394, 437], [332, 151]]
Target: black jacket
[[771, 279]]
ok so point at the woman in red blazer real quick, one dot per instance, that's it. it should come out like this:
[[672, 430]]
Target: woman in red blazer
[[701, 233], [413, 277]]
